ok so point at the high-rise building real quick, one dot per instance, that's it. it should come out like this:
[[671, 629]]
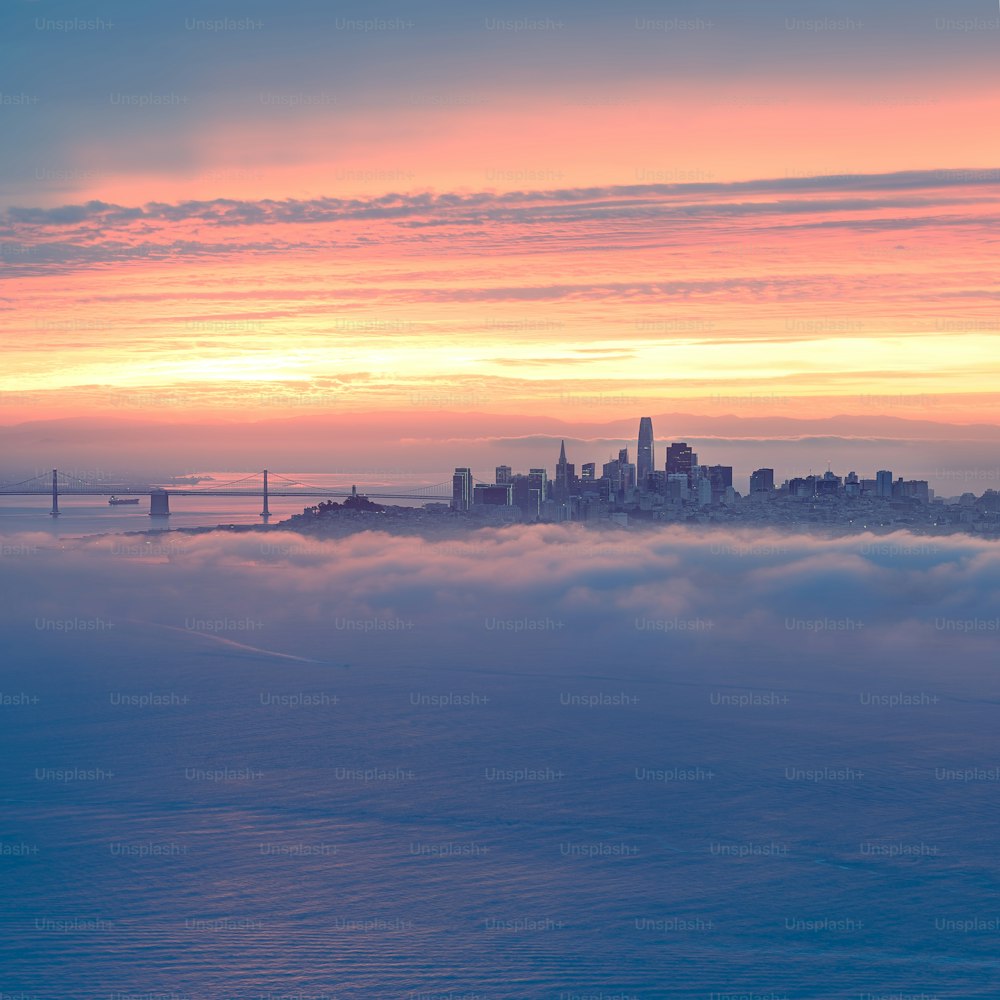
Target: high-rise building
[[538, 479], [626, 470], [525, 495], [828, 485], [721, 478], [680, 458], [499, 495], [461, 489], [762, 481], [883, 483], [588, 472], [503, 475], [677, 486], [645, 458], [560, 489], [913, 488], [611, 473]]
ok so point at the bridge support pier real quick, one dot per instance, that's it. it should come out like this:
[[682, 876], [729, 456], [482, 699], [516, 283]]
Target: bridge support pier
[[265, 513], [159, 503], [55, 494]]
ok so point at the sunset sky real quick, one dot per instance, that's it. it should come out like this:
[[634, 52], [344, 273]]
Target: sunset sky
[[567, 210]]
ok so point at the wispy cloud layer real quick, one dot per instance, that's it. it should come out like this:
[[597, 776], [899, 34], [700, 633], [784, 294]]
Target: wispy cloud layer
[[652, 204]]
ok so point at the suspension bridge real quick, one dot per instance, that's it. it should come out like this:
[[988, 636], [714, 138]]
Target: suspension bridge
[[258, 484]]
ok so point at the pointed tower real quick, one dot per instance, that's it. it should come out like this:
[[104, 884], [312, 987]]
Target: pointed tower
[[560, 489]]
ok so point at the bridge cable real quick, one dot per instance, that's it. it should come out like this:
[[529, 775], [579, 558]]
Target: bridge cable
[[9, 486]]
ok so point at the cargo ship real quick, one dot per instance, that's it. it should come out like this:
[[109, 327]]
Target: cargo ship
[[115, 501]]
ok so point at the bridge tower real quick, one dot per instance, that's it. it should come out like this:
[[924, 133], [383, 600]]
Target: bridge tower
[[159, 503], [265, 513], [55, 494]]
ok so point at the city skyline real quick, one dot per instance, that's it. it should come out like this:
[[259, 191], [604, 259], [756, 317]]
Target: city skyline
[[405, 444], [688, 491], [684, 483]]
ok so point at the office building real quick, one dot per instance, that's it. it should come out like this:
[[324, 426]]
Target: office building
[[680, 458], [721, 478], [677, 486], [563, 480], [916, 489], [497, 495], [461, 489], [538, 479], [828, 485], [525, 497], [627, 470], [645, 458]]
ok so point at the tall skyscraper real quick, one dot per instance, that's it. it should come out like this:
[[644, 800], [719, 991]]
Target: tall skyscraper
[[883, 483], [762, 481], [461, 489], [560, 488], [645, 459], [681, 458], [503, 475]]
